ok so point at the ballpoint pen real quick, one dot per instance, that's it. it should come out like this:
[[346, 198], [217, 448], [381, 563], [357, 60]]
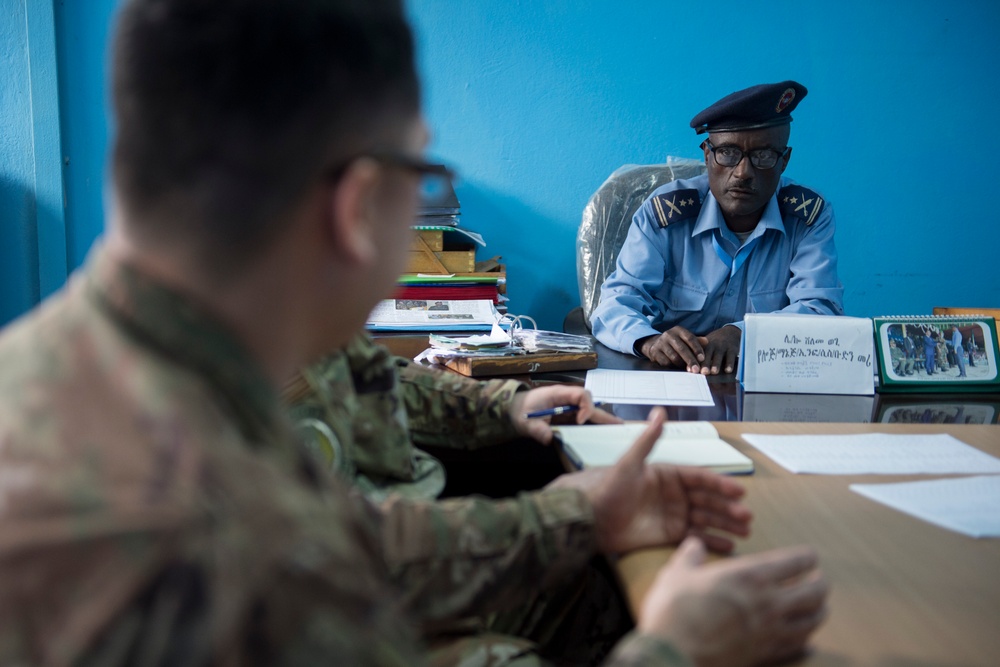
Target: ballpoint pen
[[558, 410]]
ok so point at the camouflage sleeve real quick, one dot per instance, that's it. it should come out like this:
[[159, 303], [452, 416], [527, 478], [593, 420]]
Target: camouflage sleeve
[[471, 556], [637, 650], [252, 570], [449, 410]]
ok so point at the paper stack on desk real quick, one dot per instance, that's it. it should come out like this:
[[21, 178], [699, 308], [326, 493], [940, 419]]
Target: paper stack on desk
[[539, 340], [496, 344], [503, 353]]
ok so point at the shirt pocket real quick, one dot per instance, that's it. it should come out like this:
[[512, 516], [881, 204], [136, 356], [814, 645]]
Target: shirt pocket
[[767, 301], [683, 298]]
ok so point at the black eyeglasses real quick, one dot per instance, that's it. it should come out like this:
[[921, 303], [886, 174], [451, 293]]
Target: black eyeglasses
[[411, 163], [435, 179], [760, 158]]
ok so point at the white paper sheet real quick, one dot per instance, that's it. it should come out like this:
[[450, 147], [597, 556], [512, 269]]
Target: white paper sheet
[[874, 453], [649, 387], [967, 505]]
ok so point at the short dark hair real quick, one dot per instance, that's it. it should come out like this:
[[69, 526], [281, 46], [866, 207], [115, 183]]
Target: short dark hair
[[228, 110]]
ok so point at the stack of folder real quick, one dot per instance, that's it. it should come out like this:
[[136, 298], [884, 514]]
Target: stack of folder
[[450, 287]]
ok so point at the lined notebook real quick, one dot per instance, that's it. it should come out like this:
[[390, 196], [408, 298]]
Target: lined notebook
[[682, 443]]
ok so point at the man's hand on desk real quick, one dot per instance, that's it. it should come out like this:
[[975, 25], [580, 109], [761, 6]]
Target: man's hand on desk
[[709, 355], [544, 398], [740, 611], [639, 505]]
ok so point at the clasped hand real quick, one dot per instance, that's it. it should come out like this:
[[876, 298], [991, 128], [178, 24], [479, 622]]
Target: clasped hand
[[708, 355]]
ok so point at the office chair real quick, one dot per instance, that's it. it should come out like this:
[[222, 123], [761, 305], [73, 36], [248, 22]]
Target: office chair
[[606, 220]]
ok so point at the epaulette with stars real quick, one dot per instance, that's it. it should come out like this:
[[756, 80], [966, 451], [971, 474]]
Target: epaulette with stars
[[799, 202], [675, 206]]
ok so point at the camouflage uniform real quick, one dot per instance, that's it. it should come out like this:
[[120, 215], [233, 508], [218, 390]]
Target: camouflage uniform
[[900, 362], [364, 410], [155, 511], [942, 355]]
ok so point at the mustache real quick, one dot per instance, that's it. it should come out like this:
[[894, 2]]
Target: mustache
[[746, 184]]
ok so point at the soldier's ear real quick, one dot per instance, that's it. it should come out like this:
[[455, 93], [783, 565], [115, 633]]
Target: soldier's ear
[[350, 212]]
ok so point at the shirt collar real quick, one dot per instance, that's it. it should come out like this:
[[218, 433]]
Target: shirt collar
[[710, 218], [185, 332]]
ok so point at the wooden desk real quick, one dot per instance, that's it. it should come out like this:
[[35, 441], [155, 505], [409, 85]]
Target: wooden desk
[[903, 592], [732, 404]]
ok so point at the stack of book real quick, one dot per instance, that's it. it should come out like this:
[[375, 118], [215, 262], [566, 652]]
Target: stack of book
[[440, 246], [442, 275], [450, 287]]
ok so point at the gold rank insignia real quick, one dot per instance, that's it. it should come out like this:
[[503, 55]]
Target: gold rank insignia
[[676, 206], [798, 202]]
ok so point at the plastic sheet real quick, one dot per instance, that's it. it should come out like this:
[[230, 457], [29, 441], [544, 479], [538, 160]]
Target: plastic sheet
[[608, 215]]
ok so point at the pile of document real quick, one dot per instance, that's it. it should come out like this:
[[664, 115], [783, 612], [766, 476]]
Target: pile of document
[[497, 343], [491, 345], [504, 343], [538, 340]]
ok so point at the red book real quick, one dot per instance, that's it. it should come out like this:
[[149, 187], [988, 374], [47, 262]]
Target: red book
[[447, 293]]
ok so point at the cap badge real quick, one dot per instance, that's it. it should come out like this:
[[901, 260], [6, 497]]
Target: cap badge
[[786, 99]]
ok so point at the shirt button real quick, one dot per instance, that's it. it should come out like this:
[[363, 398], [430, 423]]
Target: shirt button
[[730, 293]]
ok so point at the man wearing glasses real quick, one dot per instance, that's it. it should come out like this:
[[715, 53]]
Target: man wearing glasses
[[703, 252], [155, 505]]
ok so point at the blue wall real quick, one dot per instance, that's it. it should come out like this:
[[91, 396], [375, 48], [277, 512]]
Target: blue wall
[[17, 204], [33, 260], [537, 102], [83, 28]]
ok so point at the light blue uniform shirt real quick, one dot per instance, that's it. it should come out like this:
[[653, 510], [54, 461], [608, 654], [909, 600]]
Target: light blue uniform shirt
[[693, 273]]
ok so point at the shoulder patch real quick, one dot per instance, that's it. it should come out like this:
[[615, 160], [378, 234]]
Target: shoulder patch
[[796, 201], [675, 206]]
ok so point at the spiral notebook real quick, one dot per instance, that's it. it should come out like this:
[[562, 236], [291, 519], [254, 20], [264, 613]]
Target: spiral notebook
[[937, 353]]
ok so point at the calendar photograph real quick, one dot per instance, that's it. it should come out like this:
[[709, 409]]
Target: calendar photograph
[[936, 353]]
